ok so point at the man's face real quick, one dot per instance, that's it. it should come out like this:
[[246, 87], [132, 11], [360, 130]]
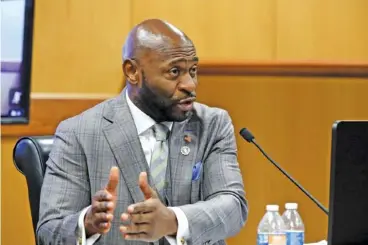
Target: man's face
[[168, 83]]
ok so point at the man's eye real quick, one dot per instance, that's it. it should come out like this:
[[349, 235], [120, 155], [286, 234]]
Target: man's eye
[[193, 70], [174, 71]]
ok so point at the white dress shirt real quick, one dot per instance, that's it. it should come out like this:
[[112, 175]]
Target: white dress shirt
[[143, 124]]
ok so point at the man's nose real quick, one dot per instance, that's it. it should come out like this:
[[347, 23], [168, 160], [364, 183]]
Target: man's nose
[[188, 84]]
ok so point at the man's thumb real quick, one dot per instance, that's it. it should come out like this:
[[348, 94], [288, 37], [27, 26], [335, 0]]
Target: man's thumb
[[113, 180], [148, 192]]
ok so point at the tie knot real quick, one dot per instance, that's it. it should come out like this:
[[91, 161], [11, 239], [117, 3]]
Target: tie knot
[[160, 131]]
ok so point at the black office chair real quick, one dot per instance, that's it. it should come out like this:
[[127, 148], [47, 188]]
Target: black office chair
[[29, 156]]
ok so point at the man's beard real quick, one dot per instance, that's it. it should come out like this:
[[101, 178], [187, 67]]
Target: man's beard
[[159, 108]]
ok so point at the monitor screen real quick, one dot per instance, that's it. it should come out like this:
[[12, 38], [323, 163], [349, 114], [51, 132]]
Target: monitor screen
[[349, 184], [16, 53]]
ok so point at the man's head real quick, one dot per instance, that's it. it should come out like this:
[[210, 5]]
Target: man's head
[[160, 66]]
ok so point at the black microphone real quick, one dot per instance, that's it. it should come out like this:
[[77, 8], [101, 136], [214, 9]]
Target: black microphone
[[247, 135]]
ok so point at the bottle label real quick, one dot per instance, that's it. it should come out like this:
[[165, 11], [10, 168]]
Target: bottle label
[[295, 237], [271, 239], [262, 239]]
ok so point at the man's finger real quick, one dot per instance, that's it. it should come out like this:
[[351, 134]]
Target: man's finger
[[148, 192], [98, 207], [102, 196], [125, 217], [113, 180], [137, 218], [141, 218], [134, 229], [137, 236], [103, 218], [104, 227], [142, 207]]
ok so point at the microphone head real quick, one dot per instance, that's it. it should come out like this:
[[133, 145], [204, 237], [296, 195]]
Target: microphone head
[[247, 135]]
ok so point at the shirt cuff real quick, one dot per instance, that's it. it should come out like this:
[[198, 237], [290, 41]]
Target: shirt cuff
[[182, 235], [82, 232]]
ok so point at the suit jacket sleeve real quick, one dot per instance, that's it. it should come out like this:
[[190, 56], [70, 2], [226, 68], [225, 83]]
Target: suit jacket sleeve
[[65, 190], [223, 211]]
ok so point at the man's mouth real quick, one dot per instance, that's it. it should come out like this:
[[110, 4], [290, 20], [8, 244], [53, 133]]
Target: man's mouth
[[187, 100], [186, 104]]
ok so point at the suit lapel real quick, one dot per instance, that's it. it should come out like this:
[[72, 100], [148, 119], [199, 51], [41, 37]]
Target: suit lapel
[[181, 164], [121, 134]]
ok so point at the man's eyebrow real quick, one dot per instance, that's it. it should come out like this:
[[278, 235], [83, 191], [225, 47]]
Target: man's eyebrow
[[183, 60]]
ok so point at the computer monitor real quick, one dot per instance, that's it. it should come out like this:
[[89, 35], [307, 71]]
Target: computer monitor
[[348, 214], [16, 57]]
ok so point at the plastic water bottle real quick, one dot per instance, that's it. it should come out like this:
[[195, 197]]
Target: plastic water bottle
[[271, 229], [294, 225]]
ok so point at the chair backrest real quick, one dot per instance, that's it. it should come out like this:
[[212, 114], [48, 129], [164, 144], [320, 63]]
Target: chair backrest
[[30, 155]]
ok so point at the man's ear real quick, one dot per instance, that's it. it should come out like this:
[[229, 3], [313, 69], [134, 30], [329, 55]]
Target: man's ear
[[130, 69]]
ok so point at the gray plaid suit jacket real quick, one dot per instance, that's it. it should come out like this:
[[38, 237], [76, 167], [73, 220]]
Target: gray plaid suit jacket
[[88, 145]]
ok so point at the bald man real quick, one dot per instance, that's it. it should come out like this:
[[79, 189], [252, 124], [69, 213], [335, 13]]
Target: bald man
[[150, 165]]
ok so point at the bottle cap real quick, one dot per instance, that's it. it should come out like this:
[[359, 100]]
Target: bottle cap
[[291, 206], [272, 208]]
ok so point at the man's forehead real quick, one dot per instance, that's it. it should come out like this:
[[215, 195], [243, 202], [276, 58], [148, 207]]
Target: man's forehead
[[184, 59], [175, 54]]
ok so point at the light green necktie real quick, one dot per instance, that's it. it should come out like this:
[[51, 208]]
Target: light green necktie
[[159, 157]]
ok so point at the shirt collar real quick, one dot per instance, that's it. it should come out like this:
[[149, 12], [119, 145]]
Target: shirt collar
[[141, 120]]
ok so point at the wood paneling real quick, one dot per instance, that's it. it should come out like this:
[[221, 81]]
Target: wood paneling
[[77, 49], [16, 222], [322, 30], [291, 117], [48, 111], [77, 45], [220, 29], [267, 29]]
